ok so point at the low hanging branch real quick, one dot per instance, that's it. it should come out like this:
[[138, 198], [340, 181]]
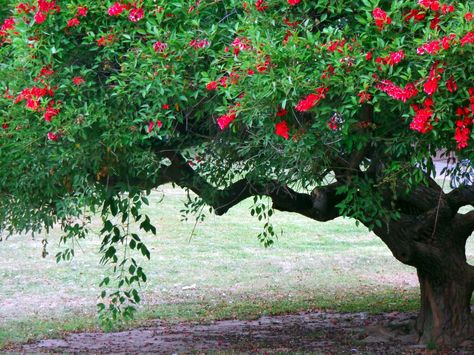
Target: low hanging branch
[[320, 205]]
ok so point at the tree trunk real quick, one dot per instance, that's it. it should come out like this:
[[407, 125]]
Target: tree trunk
[[445, 317]]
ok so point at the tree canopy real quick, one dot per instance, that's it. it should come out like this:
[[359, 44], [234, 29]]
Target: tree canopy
[[329, 108]]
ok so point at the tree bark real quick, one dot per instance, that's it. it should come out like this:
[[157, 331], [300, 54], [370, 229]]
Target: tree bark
[[437, 251], [445, 317]]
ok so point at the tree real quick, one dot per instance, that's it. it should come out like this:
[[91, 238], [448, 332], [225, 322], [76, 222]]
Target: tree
[[327, 108]]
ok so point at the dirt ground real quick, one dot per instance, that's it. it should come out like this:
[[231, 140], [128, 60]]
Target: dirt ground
[[314, 332]]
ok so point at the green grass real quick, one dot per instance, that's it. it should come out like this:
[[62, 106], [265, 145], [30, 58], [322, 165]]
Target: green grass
[[333, 265]]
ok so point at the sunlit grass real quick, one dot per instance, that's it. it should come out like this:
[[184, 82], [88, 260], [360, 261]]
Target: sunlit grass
[[221, 271]]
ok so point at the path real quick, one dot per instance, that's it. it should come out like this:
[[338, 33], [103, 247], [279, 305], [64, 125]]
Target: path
[[348, 333]]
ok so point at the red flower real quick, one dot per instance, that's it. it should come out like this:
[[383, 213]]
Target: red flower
[[397, 92], [421, 121], [199, 43], [469, 17], [364, 96], [468, 38], [461, 134], [281, 129], [8, 24], [381, 18], [136, 14], [46, 6], [165, 107], [73, 22], [82, 11], [52, 136], [116, 9], [396, 57], [103, 41], [430, 4], [151, 124], [78, 80], [311, 100], [225, 120], [261, 5], [281, 112], [451, 85], [32, 104], [40, 17], [159, 47], [431, 85], [46, 71], [50, 113], [293, 2], [223, 81], [211, 86]]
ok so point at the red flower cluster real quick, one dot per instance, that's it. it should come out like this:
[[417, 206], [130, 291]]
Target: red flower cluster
[[414, 14], [468, 38], [8, 25], [451, 85], [77, 80], [337, 45], [53, 136], [282, 130], [263, 67], [312, 100], [73, 22], [364, 96], [241, 44], [431, 84], [44, 72], [116, 9], [391, 59], [434, 5], [397, 92], [199, 43], [435, 46], [421, 121], [151, 125], [135, 15], [381, 18], [225, 120], [335, 121], [50, 112], [211, 86], [82, 12], [261, 5], [24, 8], [33, 95], [105, 40], [159, 47], [44, 8], [465, 121]]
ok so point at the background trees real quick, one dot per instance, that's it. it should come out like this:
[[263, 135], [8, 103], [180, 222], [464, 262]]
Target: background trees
[[330, 108]]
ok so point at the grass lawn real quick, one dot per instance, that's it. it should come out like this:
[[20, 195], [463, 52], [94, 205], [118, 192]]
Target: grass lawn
[[222, 271]]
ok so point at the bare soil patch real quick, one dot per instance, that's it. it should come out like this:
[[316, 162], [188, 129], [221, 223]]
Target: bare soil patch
[[311, 332]]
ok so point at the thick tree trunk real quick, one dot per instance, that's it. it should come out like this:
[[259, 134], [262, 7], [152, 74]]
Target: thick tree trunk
[[446, 279], [445, 317]]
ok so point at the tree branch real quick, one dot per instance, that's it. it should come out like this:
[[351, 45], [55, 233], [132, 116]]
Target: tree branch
[[464, 224], [320, 205], [462, 196]]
